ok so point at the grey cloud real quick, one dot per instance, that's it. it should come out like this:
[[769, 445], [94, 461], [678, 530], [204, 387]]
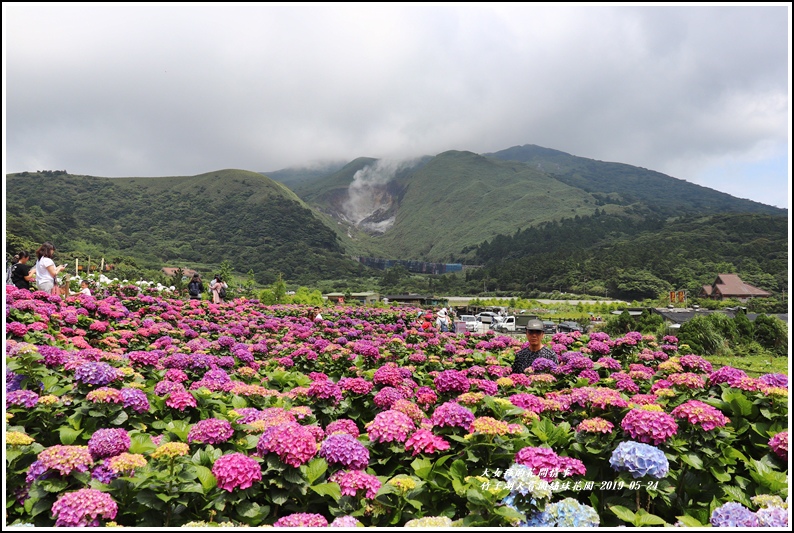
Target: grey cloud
[[170, 90]]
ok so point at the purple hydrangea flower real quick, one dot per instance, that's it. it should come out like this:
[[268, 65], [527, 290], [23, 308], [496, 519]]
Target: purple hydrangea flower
[[210, 431], [733, 514], [108, 442], [343, 449]]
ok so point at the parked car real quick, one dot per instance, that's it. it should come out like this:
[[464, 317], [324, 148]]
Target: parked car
[[486, 317], [549, 327], [472, 323], [569, 327]]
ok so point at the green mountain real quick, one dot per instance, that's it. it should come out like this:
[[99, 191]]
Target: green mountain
[[441, 208], [236, 215], [623, 184], [510, 211]]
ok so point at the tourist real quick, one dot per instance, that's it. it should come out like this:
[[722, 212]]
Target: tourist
[[525, 357]]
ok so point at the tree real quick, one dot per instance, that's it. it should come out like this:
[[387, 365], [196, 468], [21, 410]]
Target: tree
[[279, 289], [771, 333]]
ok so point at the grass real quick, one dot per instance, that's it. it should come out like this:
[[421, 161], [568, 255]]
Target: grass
[[753, 365]]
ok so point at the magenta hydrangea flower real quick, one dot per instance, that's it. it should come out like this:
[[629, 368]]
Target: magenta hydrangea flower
[[425, 397], [650, 427], [609, 363], [210, 431], [388, 374], [701, 414], [546, 464], [108, 442], [390, 426], [452, 414], [26, 398], [424, 441], [356, 480], [83, 508], [345, 450], [726, 374], [695, 362], [451, 381], [325, 389], [386, 397], [236, 471], [355, 385], [779, 444], [343, 425], [302, 520], [293, 443], [527, 401], [180, 400]]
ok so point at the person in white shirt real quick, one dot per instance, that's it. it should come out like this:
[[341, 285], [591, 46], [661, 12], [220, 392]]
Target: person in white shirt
[[46, 271], [84, 289]]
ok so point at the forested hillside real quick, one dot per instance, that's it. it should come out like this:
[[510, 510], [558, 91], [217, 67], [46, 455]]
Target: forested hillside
[[537, 219], [244, 217], [639, 258], [621, 184]]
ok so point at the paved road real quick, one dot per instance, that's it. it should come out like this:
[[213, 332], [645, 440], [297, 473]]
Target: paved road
[[464, 300]]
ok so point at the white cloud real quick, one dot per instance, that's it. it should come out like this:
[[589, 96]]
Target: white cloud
[[151, 89]]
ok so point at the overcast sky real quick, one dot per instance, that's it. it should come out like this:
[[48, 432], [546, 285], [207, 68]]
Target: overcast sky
[[699, 93]]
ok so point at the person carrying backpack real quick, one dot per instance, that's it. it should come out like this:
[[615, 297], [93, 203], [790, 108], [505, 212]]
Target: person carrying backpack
[[218, 288], [195, 287]]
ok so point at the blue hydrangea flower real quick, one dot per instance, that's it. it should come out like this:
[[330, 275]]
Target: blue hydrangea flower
[[565, 513], [639, 460], [733, 514], [772, 517]]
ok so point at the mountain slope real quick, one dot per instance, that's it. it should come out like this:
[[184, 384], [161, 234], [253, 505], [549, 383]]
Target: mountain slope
[[434, 208], [621, 183], [240, 216]]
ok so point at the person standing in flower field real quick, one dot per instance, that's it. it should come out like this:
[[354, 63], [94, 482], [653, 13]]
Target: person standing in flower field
[[195, 287], [20, 271], [218, 289], [46, 271], [535, 350]]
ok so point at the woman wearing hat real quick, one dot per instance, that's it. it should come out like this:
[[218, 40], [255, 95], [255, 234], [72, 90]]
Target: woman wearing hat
[[535, 350], [442, 322]]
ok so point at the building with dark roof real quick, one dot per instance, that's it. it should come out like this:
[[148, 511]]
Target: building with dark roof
[[731, 286]]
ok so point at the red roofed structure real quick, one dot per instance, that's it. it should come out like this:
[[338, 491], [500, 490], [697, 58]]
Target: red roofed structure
[[731, 286]]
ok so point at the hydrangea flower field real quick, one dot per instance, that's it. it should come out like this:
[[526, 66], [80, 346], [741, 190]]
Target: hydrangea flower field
[[137, 409]]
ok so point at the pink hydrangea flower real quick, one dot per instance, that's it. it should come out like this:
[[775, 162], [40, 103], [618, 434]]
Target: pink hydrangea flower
[[302, 520], [83, 508], [236, 471], [355, 480], [180, 400], [210, 431], [701, 414], [779, 444], [424, 441], [342, 425], [66, 458], [452, 414], [293, 443], [650, 427], [390, 426]]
